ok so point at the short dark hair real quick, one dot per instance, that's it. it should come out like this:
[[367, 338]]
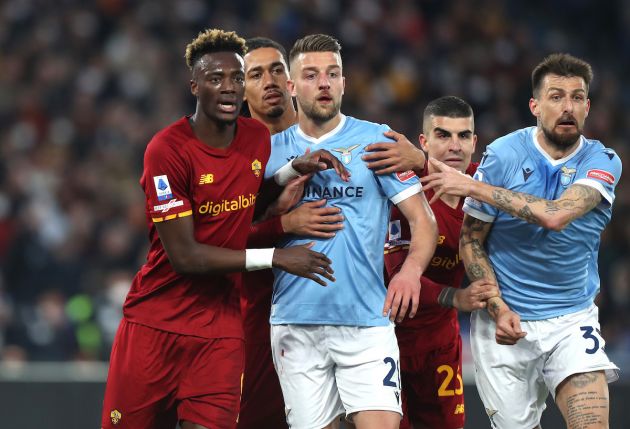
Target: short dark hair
[[561, 65], [264, 42], [214, 40], [449, 106], [315, 43]]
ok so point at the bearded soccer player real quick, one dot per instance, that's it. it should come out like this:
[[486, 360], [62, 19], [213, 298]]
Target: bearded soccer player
[[542, 198], [334, 349], [178, 353], [269, 101]]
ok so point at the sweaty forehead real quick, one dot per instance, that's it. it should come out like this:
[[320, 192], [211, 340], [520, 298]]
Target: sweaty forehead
[[219, 61], [568, 83]]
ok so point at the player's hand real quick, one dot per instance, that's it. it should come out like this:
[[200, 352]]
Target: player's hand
[[289, 197], [313, 219], [446, 180], [386, 158], [320, 160], [403, 293], [303, 262], [508, 325], [475, 296]]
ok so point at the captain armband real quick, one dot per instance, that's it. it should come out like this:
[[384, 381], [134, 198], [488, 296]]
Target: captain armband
[[446, 296], [258, 259], [285, 174]]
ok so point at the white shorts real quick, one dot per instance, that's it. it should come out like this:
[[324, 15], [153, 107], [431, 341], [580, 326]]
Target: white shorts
[[326, 371], [514, 381]]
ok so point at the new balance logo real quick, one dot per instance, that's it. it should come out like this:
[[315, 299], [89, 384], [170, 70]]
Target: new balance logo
[[526, 173], [206, 179]]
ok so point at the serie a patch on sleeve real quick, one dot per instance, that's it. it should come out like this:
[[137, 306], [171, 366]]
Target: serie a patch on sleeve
[[602, 175], [405, 175], [162, 188]]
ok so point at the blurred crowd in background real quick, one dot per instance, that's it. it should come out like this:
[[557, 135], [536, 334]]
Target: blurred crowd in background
[[85, 84]]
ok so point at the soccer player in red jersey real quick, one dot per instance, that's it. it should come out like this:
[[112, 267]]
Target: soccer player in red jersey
[[178, 353], [430, 344], [269, 101]]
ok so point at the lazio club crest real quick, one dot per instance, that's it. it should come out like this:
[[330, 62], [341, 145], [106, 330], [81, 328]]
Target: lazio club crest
[[256, 167], [566, 176], [346, 153]]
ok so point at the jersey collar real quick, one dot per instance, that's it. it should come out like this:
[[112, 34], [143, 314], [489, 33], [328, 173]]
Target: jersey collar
[[552, 161], [325, 136]]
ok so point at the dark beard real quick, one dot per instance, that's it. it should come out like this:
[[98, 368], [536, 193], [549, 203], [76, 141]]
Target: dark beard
[[275, 112], [561, 141]]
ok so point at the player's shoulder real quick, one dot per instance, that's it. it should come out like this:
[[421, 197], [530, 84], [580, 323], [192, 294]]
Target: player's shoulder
[[170, 137], [285, 136], [513, 145], [251, 125], [361, 125], [593, 146]]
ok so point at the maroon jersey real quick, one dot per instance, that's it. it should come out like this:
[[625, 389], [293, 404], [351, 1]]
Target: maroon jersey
[[217, 187], [445, 268], [257, 286]]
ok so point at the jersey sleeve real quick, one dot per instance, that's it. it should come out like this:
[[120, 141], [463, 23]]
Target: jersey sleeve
[[165, 182], [490, 171], [265, 233], [277, 157], [397, 186], [602, 171]]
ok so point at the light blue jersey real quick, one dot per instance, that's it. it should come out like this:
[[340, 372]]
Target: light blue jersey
[[543, 273], [357, 296]]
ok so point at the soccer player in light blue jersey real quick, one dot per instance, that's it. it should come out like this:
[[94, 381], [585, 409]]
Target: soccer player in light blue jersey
[[334, 347], [542, 198]]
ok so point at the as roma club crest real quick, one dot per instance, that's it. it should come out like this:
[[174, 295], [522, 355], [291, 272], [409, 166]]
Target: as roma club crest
[[256, 167]]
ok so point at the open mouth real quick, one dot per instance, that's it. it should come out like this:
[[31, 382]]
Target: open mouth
[[227, 107], [325, 99], [567, 123]]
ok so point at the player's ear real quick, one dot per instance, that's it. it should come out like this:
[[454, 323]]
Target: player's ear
[[534, 107], [588, 107], [343, 85], [422, 139], [474, 142], [291, 87], [193, 87]]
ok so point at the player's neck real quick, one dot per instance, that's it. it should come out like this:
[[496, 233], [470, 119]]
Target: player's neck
[[279, 124], [553, 150], [316, 129], [216, 134]]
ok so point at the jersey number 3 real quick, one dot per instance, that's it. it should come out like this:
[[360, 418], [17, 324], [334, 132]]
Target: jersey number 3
[[588, 334]]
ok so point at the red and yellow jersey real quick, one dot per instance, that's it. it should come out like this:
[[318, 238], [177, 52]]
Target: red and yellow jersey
[[445, 268], [217, 188]]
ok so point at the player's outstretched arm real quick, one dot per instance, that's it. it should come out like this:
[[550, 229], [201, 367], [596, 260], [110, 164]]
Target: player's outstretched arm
[[556, 214], [478, 267], [403, 293], [394, 157], [188, 256]]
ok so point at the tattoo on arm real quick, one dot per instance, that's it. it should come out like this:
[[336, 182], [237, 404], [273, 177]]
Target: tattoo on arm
[[475, 257], [493, 308], [576, 200]]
